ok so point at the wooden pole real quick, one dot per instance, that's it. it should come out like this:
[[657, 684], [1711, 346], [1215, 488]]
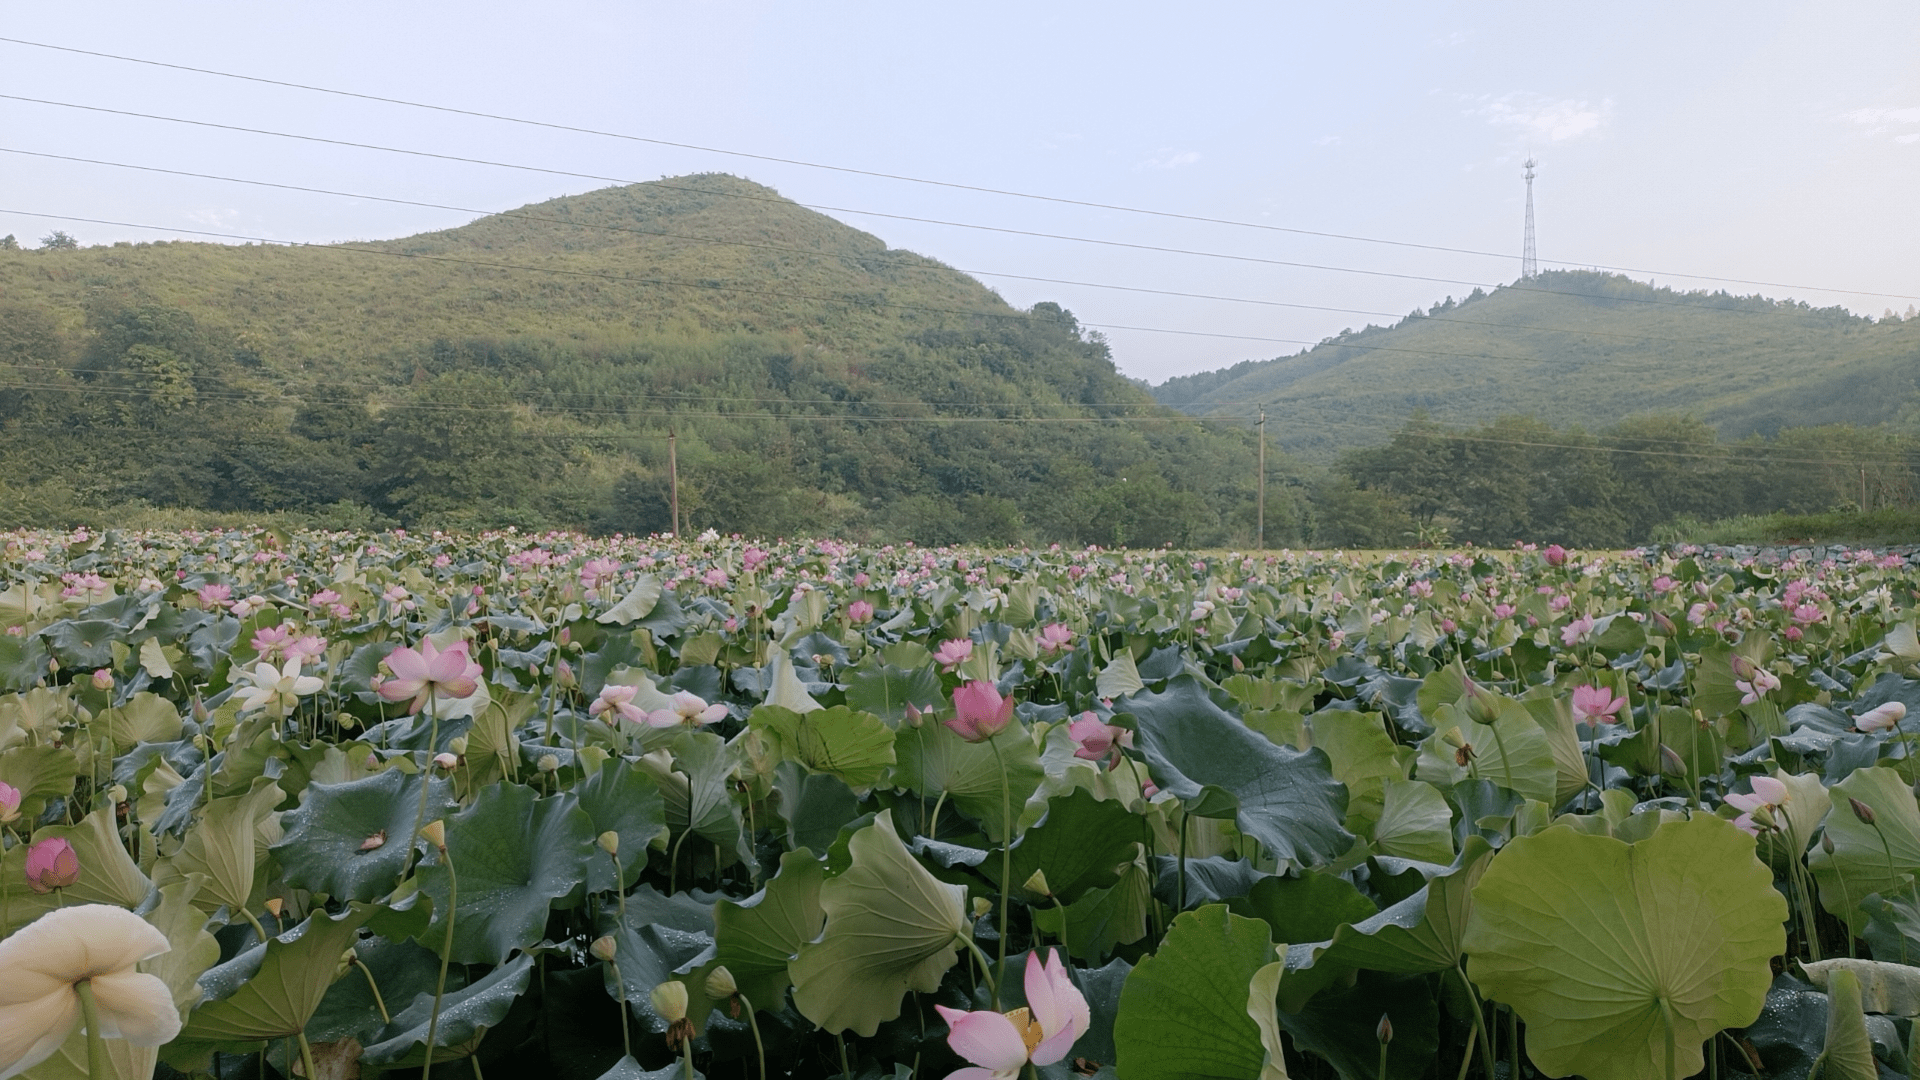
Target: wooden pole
[[1260, 497], [673, 478]]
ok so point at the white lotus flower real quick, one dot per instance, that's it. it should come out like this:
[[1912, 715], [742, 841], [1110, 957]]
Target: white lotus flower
[[281, 688], [99, 944]]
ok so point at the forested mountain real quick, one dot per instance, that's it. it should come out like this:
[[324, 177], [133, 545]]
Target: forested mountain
[[1579, 348], [527, 368]]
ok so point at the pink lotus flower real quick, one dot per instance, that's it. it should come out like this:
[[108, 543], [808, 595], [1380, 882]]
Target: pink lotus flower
[[1000, 1044], [689, 709], [429, 671], [1503, 611], [308, 649], [1054, 637], [859, 611], [1879, 718], [1555, 555], [950, 654], [9, 804], [1576, 631], [1767, 792], [1094, 739], [715, 578], [52, 864], [618, 700], [269, 640], [1757, 685], [979, 712], [598, 572], [215, 593], [1596, 704]]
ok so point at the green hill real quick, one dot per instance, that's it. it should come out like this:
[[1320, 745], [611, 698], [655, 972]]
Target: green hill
[[1579, 348], [526, 369]]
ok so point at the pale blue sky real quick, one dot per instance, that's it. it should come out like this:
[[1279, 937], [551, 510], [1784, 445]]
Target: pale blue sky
[[1756, 139]]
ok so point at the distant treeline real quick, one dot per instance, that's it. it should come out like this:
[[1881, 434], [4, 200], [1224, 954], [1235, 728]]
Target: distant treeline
[[1518, 478]]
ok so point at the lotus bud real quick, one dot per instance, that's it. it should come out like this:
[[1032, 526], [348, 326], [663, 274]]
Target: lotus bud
[[1670, 762], [1861, 810], [720, 983], [1037, 883], [563, 675], [436, 833], [52, 864], [103, 679], [914, 716], [1238, 664], [548, 763], [609, 842], [982, 907], [458, 744], [603, 948], [1763, 818], [1826, 842], [669, 1000], [1383, 1031]]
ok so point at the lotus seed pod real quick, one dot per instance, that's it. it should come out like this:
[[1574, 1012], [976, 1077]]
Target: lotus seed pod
[[1037, 883], [436, 833], [720, 983], [457, 744], [603, 948], [610, 842], [982, 907], [548, 763]]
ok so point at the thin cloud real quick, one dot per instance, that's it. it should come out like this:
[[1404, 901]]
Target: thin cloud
[[1168, 158], [1546, 119], [1883, 121]]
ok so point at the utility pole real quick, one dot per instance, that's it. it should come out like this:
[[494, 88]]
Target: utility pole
[[1260, 497], [673, 479]]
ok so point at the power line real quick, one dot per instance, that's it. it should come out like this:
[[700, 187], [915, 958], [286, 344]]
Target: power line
[[815, 253], [668, 186], [1010, 193]]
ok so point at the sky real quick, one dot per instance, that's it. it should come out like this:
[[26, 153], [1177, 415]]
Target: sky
[[1757, 141]]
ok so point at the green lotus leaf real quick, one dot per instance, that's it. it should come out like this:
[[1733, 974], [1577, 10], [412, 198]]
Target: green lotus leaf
[[697, 791], [1102, 918], [1623, 959], [465, 1017], [1119, 678], [886, 691], [628, 1069], [193, 950], [1307, 907], [1263, 992], [1363, 757], [39, 773], [225, 844], [933, 761], [514, 854], [402, 969], [1081, 843], [623, 799], [814, 806], [146, 717], [125, 1061], [1849, 1052], [891, 927], [289, 976], [757, 938], [1555, 717], [1184, 1013], [857, 747], [636, 605], [1415, 823], [350, 840], [1884, 988], [1512, 752], [1286, 799], [1878, 858]]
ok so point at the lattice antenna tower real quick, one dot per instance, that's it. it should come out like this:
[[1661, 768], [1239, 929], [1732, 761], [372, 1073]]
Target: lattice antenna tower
[[1529, 261]]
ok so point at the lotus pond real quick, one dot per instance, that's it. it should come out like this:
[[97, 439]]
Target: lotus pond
[[349, 805]]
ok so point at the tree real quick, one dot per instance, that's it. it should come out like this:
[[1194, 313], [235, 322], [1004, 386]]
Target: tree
[[58, 241]]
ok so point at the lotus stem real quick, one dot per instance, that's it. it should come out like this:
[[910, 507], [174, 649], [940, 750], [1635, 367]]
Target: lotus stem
[[760, 1048], [254, 922], [673, 860], [474, 1060], [620, 886], [933, 829], [1479, 1020], [96, 1045], [1006, 866], [986, 969], [1180, 894], [846, 1070], [1466, 1056], [306, 1054], [378, 1000], [446, 956], [426, 783]]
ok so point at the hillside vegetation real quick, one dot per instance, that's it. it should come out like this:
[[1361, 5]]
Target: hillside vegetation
[[526, 369], [1579, 348]]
